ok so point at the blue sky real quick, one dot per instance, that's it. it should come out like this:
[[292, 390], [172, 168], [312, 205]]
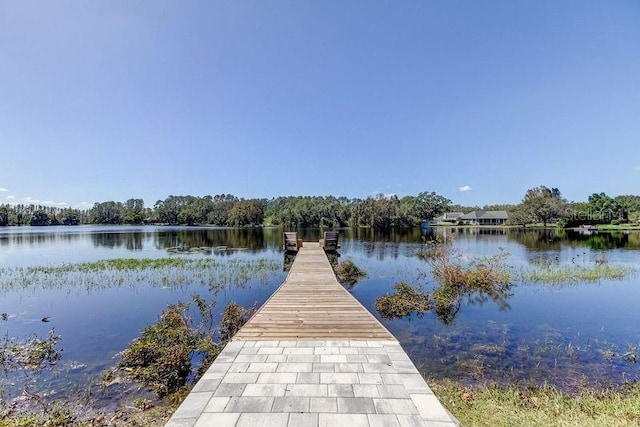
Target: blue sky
[[115, 99]]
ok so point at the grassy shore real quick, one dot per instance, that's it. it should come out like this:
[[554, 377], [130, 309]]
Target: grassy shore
[[539, 406]]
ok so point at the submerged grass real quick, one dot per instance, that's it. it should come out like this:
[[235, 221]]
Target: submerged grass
[[521, 405], [575, 273], [130, 271]]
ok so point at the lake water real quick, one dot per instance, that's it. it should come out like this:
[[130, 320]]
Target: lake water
[[566, 335]]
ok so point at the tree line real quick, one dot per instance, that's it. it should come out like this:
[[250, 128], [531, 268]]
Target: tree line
[[546, 205], [539, 205], [378, 212]]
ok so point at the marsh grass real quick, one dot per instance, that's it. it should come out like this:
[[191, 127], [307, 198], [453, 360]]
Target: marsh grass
[[561, 274], [104, 274], [522, 405]]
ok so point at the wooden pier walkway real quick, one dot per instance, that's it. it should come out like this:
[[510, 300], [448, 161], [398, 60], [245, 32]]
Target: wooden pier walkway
[[312, 356]]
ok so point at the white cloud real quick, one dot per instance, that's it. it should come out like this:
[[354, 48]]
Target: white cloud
[[11, 197], [465, 188], [3, 190], [84, 204], [32, 201]]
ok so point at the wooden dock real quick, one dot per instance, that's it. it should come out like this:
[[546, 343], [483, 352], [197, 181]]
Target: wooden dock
[[312, 356], [312, 305]]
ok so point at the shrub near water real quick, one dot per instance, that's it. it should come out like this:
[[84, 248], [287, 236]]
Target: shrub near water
[[160, 358], [407, 299], [348, 273]]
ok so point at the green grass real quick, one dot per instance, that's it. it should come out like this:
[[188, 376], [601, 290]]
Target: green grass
[[518, 405], [575, 273], [618, 227]]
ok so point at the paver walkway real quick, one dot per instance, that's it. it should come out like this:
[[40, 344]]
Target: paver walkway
[[298, 362]]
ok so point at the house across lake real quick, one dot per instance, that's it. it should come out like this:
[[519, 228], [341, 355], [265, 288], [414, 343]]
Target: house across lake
[[479, 217]]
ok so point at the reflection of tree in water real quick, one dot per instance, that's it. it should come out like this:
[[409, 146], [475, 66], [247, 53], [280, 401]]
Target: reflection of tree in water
[[130, 241], [537, 240], [232, 238], [448, 299], [552, 239], [289, 258]]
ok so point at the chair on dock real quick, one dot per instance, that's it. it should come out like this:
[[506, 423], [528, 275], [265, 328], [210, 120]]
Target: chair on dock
[[291, 242], [330, 241]]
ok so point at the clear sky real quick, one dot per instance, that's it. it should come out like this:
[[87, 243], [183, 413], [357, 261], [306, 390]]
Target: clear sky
[[476, 100]]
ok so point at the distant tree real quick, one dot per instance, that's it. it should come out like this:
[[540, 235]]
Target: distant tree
[[631, 206], [220, 208], [70, 217], [133, 211], [520, 215], [430, 205], [604, 209], [247, 212], [544, 204], [107, 213], [39, 218], [499, 207], [4, 216]]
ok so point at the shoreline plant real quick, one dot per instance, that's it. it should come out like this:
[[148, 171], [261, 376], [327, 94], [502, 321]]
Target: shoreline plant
[[348, 273]]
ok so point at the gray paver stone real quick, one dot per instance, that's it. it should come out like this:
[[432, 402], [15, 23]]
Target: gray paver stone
[[303, 420], [355, 405], [383, 420], [217, 419], [395, 406], [249, 404], [290, 404], [350, 420], [230, 389], [263, 420], [323, 404]]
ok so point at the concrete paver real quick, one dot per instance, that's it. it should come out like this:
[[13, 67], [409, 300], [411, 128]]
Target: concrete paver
[[312, 394]]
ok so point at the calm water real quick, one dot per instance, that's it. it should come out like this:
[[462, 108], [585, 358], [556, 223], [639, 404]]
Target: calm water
[[564, 335]]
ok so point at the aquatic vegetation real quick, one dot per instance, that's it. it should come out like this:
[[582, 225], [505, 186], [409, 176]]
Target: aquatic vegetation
[[161, 358], [109, 273], [233, 318], [433, 247], [529, 405], [54, 415], [32, 354], [477, 279], [348, 273], [482, 274], [560, 274], [406, 300]]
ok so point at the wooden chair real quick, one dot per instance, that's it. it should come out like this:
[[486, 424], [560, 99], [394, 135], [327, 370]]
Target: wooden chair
[[291, 242], [330, 241]]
